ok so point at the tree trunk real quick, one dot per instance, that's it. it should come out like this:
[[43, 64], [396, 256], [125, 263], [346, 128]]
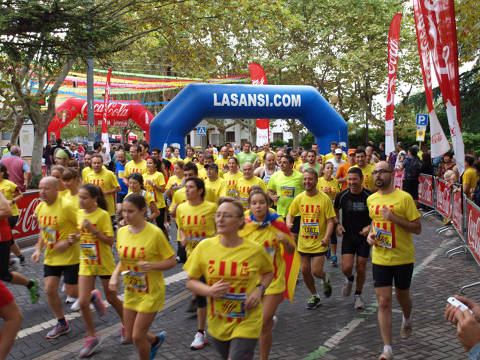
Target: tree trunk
[[16, 129], [39, 134]]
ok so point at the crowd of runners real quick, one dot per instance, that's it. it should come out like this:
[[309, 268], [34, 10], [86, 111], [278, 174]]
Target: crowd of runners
[[250, 225]]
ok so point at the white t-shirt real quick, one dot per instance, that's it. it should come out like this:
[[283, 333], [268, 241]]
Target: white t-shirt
[[335, 164]]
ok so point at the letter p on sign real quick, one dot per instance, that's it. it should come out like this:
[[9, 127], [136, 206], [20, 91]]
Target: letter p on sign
[[422, 119]]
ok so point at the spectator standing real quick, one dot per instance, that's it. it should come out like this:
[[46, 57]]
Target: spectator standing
[[18, 169], [411, 166], [47, 158], [427, 166], [469, 176]]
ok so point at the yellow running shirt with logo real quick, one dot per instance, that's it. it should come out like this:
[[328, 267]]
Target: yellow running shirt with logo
[[314, 212], [241, 267], [107, 182], [217, 188], [231, 182], [56, 223], [394, 244], [197, 222], [158, 179], [174, 180], [243, 188], [368, 181], [144, 292], [8, 188], [96, 257], [331, 188], [132, 167]]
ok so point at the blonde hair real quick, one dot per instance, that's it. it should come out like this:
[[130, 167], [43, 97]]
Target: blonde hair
[[450, 175], [236, 203]]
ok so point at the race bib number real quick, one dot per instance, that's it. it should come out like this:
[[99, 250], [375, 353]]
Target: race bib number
[[270, 251], [287, 191], [135, 280], [310, 229], [231, 305], [175, 188], [384, 238], [154, 196], [232, 193], [88, 252], [49, 235], [244, 203], [121, 174]]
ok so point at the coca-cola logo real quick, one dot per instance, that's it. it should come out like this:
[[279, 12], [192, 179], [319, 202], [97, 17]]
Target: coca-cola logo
[[426, 190], [423, 41], [392, 69], [443, 199], [114, 110], [436, 138], [457, 211], [258, 82], [473, 235], [27, 224]]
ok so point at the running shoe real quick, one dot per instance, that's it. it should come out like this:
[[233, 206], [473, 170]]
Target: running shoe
[[22, 260], [275, 321], [90, 346], [386, 355], [327, 286], [63, 287], [13, 264], [34, 293], [334, 261], [70, 300], [358, 303], [123, 336], [199, 341], [347, 288], [405, 330], [328, 254], [76, 305], [313, 302], [98, 303], [58, 330], [154, 348]]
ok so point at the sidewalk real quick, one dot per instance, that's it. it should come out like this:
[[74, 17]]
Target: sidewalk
[[333, 331]]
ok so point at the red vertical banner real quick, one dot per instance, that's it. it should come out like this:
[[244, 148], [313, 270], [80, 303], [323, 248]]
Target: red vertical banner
[[438, 140], [105, 111], [257, 74], [440, 26], [393, 46]]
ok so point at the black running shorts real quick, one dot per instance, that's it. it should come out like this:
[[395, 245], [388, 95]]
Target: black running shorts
[[400, 274]]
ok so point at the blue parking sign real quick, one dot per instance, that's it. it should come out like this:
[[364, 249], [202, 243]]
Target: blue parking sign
[[422, 119]]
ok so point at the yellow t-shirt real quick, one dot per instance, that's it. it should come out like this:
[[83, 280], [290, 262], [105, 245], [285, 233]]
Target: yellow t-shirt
[[243, 188], [297, 164], [8, 188], [331, 188], [222, 163], [144, 292], [174, 180], [73, 199], [267, 237], [197, 222], [368, 181], [132, 166], [202, 173], [394, 244], [231, 182], [314, 212], [96, 257], [180, 197], [331, 156], [216, 187], [470, 177], [159, 180], [240, 266], [56, 223], [107, 181], [85, 172], [63, 193]]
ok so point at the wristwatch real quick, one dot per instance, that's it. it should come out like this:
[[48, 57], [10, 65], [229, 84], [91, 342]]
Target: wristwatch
[[262, 287]]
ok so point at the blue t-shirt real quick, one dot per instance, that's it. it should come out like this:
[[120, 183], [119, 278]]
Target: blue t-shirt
[[119, 168]]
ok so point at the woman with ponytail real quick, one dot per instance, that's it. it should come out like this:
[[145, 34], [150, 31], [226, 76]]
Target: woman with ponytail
[[95, 234]]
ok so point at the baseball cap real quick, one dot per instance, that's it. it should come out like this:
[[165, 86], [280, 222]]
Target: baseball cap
[[338, 151], [213, 165], [230, 149], [351, 151]]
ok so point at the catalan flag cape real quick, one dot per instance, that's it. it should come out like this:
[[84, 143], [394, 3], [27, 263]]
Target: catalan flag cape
[[292, 261]]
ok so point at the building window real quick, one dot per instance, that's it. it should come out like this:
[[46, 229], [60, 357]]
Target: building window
[[277, 136], [230, 136]]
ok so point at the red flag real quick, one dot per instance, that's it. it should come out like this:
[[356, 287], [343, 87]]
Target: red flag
[[438, 140], [393, 46], [442, 39], [105, 108], [257, 74]]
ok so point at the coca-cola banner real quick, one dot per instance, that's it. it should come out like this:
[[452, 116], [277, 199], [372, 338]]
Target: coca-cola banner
[[473, 229], [257, 74], [393, 45], [27, 225], [439, 143], [120, 113], [444, 199], [425, 190], [398, 179], [457, 211]]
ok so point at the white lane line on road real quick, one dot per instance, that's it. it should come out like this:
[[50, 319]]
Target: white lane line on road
[[75, 347], [342, 333], [182, 275]]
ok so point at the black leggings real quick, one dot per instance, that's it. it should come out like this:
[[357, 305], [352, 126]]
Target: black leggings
[[5, 274], [160, 220]]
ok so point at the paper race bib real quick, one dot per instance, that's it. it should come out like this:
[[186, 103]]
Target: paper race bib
[[49, 235], [154, 196], [175, 188], [384, 238], [88, 252], [244, 202], [271, 252], [121, 174], [287, 191], [231, 305], [310, 229], [232, 193], [135, 280]]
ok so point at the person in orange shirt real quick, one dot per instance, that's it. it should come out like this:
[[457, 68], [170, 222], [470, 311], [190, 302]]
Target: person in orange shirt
[[343, 169]]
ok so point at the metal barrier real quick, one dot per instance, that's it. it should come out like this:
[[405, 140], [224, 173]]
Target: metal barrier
[[443, 203], [472, 222], [426, 193]]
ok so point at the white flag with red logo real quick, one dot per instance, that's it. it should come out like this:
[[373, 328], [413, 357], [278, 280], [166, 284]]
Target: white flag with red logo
[[257, 74]]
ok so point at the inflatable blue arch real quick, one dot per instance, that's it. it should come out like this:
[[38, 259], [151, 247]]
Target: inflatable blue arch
[[198, 101]]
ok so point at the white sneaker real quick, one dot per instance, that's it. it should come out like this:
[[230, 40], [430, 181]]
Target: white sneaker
[[76, 305], [347, 288], [275, 321], [14, 264], [359, 304], [199, 341], [63, 288], [386, 355], [70, 300]]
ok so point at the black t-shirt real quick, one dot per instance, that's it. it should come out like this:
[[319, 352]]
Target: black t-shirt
[[354, 212]]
